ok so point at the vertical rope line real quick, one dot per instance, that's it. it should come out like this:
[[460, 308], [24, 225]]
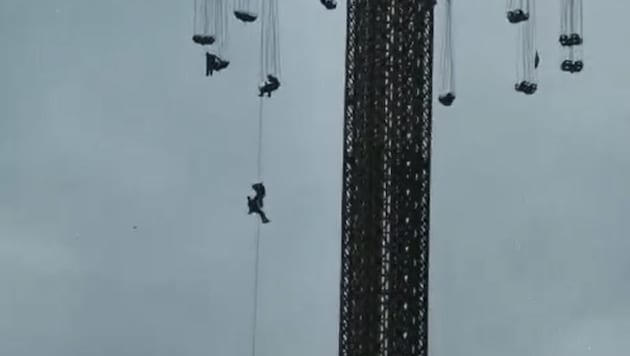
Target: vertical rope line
[[260, 138], [263, 20], [255, 316], [195, 18], [533, 18], [259, 173], [581, 6], [563, 17], [519, 54], [526, 30], [451, 50], [442, 72], [277, 35], [206, 25]]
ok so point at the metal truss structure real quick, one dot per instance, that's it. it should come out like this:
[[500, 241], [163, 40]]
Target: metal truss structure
[[386, 176]]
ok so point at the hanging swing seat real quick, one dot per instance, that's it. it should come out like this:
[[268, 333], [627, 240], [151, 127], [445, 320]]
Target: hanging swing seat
[[204, 40], [572, 66], [215, 63], [272, 84], [531, 88], [564, 40], [245, 16], [516, 16], [329, 4], [221, 64], [526, 87], [447, 99], [566, 65], [575, 39]]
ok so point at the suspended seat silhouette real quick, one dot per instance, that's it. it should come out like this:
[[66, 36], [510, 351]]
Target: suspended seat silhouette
[[572, 66], [272, 84], [526, 87], [329, 4], [573, 39], [447, 99], [215, 63], [564, 40], [245, 16], [204, 40], [517, 16]]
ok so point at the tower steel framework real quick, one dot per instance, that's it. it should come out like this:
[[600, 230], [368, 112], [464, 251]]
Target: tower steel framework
[[386, 176]]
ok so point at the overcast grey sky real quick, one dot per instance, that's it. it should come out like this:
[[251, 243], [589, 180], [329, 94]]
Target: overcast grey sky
[[107, 122]]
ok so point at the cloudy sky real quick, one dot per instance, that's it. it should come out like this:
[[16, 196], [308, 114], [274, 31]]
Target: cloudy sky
[[107, 122]]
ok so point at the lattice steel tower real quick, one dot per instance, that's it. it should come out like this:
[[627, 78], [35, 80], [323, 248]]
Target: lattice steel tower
[[386, 175]]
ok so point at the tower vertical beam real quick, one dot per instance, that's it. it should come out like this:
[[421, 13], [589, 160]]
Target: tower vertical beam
[[386, 178]]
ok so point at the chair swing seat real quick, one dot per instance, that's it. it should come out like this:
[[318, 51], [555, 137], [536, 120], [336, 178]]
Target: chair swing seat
[[447, 99], [329, 4], [245, 16], [204, 40]]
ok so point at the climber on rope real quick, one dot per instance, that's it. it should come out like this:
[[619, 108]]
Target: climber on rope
[[255, 204], [214, 63], [272, 84], [329, 4]]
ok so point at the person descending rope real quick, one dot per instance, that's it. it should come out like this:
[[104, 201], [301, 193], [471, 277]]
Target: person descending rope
[[329, 4], [272, 84], [255, 203]]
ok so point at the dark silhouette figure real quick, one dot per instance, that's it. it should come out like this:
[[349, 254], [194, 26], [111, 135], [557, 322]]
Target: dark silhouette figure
[[245, 16], [255, 204], [329, 4], [526, 87], [536, 60], [516, 16], [572, 66], [575, 39], [214, 63], [272, 84], [203, 40], [564, 40], [447, 99]]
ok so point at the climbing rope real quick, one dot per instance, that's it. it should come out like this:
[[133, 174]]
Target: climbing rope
[[260, 138], [255, 316], [447, 68], [259, 173], [270, 40]]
